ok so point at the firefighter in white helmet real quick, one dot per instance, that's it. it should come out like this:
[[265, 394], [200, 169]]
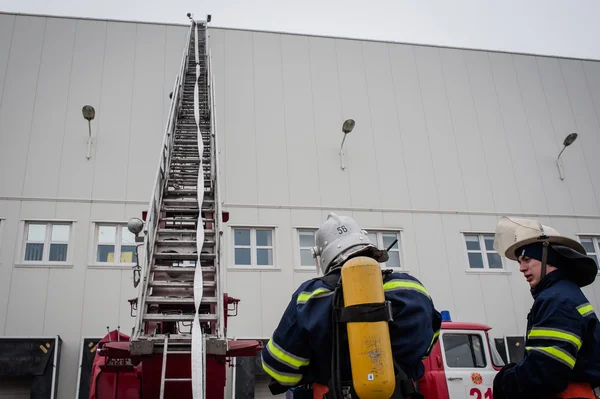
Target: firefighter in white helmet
[[562, 350], [302, 350]]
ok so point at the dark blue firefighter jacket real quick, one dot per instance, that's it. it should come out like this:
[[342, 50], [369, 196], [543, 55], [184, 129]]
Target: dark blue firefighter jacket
[[562, 345], [299, 351]]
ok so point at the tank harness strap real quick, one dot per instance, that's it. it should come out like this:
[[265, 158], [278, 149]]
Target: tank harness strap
[[365, 313]]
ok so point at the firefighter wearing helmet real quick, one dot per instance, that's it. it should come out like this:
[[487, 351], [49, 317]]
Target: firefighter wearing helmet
[[310, 352], [562, 349]]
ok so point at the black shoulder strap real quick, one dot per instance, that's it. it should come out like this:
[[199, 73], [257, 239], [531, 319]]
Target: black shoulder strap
[[330, 279]]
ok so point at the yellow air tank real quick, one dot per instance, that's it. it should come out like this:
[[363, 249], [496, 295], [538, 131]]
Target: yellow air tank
[[369, 342]]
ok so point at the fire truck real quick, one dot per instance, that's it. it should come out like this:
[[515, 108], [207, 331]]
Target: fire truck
[[179, 346]]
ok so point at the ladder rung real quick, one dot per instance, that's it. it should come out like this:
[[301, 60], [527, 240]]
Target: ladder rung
[[170, 300], [182, 269], [176, 256], [177, 379], [178, 317], [179, 284]]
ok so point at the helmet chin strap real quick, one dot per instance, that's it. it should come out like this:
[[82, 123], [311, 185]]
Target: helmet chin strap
[[544, 259]]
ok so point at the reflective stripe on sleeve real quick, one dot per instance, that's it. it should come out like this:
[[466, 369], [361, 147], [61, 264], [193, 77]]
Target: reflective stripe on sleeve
[[554, 353], [586, 309], [282, 378], [285, 357], [554, 334], [393, 285], [304, 296]]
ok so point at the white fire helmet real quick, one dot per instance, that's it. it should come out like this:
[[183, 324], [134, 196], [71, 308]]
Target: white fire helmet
[[340, 238]]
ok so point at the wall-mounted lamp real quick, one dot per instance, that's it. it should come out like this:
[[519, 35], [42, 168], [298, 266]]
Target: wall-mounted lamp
[[89, 113], [346, 128], [567, 142]]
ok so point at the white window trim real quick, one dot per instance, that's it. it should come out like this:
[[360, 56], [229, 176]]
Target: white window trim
[[483, 251], [20, 262], [92, 254], [296, 247], [400, 234], [253, 266], [595, 241]]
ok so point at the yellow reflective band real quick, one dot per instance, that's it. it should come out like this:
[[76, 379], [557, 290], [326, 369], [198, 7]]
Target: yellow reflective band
[[303, 297], [542, 333], [435, 336], [555, 353], [282, 378], [284, 357], [585, 309], [403, 284]]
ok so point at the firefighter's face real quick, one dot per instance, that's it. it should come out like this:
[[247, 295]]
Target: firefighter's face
[[532, 270]]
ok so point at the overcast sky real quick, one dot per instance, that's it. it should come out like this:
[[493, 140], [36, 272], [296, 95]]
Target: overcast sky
[[568, 28]]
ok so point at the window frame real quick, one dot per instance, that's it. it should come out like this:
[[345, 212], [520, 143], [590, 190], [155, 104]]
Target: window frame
[[297, 249], [482, 251], [118, 243], [45, 261], [253, 247], [379, 244], [482, 341], [596, 243]]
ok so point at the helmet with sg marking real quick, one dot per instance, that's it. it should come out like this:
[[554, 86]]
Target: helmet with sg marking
[[341, 238]]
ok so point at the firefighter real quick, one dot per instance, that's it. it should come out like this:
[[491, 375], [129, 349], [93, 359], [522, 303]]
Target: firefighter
[[299, 354], [562, 349]]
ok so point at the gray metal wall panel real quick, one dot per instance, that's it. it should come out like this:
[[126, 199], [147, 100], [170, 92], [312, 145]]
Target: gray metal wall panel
[[516, 128], [413, 128], [48, 125], [146, 112], [544, 145], [18, 99], [276, 286], [241, 182], [473, 164], [334, 184], [587, 123], [175, 46], [440, 130], [27, 304], [86, 81], [389, 148], [466, 288], [301, 136], [577, 175], [7, 24], [434, 269], [269, 124], [491, 129], [217, 46], [9, 229], [360, 151], [101, 309], [116, 99]]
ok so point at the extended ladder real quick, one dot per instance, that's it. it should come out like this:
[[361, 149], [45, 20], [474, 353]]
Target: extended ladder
[[180, 299]]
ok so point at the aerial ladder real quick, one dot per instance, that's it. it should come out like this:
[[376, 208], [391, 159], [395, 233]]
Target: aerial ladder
[[179, 346]]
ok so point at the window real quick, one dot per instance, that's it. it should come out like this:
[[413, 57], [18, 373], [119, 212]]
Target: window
[[115, 244], [481, 253], [383, 239], [46, 242], [592, 246], [306, 240], [464, 350], [253, 246]]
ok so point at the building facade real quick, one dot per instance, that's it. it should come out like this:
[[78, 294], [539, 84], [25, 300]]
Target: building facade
[[446, 141]]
